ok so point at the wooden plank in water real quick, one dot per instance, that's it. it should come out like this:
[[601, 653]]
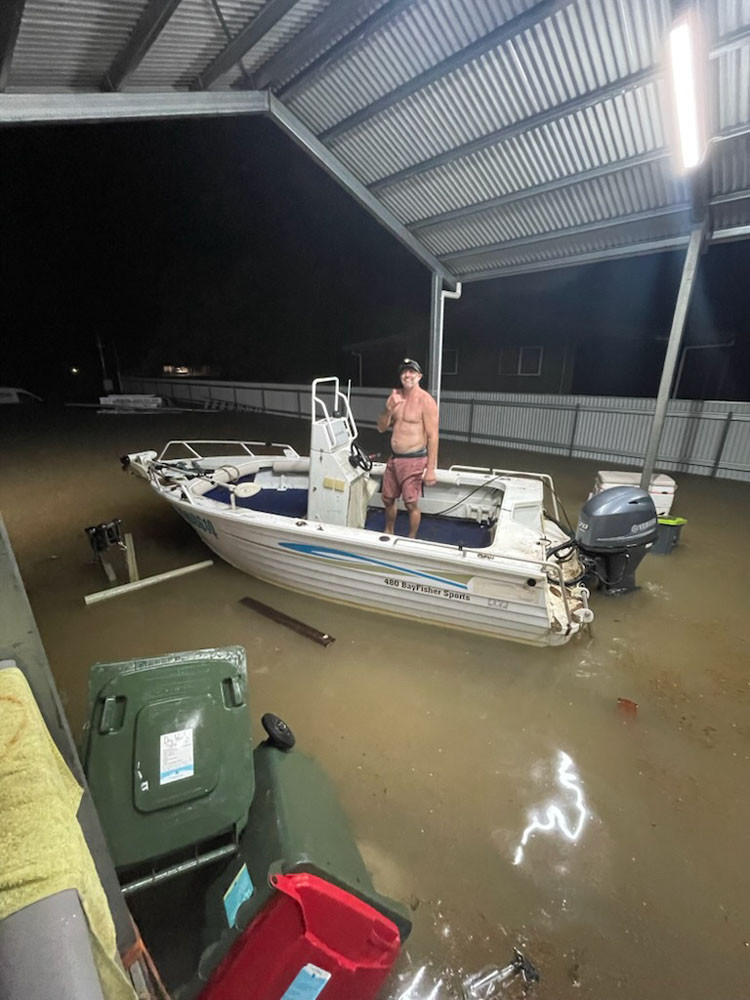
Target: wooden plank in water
[[322, 638]]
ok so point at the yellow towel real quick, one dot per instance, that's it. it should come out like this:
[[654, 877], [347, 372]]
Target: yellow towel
[[42, 847]]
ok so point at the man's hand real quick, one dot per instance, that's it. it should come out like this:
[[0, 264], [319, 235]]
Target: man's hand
[[429, 477], [394, 401], [392, 410]]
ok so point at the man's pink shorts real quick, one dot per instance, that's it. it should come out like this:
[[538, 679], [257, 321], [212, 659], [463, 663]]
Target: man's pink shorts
[[403, 478]]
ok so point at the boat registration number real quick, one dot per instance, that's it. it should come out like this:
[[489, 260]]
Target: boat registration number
[[201, 523]]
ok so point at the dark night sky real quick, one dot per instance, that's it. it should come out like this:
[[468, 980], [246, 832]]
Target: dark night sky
[[219, 241]]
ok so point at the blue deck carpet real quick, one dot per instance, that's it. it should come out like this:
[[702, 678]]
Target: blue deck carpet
[[288, 503], [448, 530], [293, 503]]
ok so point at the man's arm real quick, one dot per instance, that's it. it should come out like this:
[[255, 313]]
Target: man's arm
[[430, 418], [386, 418], [384, 421]]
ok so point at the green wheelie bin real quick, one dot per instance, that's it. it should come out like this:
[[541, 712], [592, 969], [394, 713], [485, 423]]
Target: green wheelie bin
[[168, 757]]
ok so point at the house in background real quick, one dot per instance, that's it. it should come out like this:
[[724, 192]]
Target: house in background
[[375, 361], [472, 359], [509, 361]]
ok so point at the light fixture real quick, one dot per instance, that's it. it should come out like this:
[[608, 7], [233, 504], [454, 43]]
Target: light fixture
[[682, 52], [73, 371]]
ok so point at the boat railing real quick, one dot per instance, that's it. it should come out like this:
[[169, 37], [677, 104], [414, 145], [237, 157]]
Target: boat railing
[[541, 476], [340, 406], [247, 447], [542, 565]]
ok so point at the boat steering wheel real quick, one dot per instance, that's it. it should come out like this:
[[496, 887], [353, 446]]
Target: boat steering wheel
[[359, 458]]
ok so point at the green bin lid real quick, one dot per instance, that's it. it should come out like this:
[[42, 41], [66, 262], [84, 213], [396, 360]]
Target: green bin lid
[[168, 751]]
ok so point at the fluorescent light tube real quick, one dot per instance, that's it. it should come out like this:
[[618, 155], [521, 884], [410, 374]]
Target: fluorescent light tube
[[685, 96]]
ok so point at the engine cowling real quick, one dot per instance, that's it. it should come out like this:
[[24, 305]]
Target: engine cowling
[[616, 528]]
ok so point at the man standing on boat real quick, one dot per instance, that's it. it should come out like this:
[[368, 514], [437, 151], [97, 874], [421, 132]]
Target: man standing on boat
[[412, 416]]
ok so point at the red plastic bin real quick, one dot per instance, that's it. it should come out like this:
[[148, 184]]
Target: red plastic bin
[[311, 940]]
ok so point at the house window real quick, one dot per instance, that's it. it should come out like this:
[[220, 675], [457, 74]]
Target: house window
[[521, 361], [450, 362]]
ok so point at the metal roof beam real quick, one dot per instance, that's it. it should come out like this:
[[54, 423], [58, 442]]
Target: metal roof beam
[[733, 233], [726, 199], [554, 234], [286, 62], [731, 132], [11, 13], [337, 16], [591, 257], [622, 86], [727, 43], [306, 140], [517, 25], [150, 25], [241, 44], [554, 185], [45, 109]]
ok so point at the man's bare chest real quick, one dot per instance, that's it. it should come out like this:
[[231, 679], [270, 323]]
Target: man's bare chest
[[411, 412]]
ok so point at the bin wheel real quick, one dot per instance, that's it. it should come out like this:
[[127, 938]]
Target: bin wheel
[[279, 734]]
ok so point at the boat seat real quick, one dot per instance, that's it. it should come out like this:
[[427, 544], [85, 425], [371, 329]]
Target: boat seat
[[289, 465]]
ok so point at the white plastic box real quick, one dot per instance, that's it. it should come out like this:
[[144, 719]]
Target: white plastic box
[[135, 401], [662, 488]]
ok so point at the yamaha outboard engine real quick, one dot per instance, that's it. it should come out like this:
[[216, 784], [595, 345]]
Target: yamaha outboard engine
[[615, 530]]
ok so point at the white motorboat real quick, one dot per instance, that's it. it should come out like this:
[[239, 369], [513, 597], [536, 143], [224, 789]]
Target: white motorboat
[[488, 557]]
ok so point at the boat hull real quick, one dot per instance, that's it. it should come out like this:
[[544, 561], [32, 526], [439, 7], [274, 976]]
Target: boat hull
[[412, 579]]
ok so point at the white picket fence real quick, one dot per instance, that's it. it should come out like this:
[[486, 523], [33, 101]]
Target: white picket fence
[[705, 437]]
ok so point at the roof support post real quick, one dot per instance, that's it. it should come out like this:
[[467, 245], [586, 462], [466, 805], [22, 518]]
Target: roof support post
[[689, 272], [437, 316], [435, 356]]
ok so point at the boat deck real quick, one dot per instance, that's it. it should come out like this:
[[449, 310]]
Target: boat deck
[[433, 528]]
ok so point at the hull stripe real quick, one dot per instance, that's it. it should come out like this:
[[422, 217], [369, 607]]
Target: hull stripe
[[339, 555]]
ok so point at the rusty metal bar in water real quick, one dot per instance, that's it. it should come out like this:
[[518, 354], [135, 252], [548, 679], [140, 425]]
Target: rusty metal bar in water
[[322, 638]]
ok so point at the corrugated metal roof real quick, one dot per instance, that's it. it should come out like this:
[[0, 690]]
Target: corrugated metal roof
[[191, 39], [420, 36], [287, 28], [642, 233], [649, 187], [504, 136], [70, 46], [580, 141]]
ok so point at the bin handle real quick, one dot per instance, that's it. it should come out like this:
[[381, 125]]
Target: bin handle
[[380, 940], [113, 712]]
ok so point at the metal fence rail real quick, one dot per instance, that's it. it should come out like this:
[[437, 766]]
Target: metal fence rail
[[705, 437]]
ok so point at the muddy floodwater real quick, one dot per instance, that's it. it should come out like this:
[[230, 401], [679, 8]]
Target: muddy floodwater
[[445, 747]]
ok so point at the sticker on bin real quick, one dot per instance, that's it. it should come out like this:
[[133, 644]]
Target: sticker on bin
[[308, 983], [241, 888], [176, 756]]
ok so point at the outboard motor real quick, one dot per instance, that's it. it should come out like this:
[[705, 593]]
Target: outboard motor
[[615, 530]]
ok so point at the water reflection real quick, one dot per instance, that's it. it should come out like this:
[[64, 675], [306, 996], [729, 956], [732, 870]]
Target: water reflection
[[553, 817], [490, 983], [422, 987], [410, 991]]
